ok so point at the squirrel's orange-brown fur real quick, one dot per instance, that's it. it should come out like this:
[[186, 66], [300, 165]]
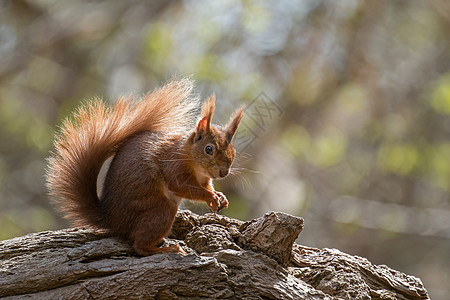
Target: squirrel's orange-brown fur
[[159, 158]]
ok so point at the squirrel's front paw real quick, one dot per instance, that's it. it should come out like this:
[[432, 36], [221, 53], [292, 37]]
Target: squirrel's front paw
[[218, 202], [214, 204], [223, 201]]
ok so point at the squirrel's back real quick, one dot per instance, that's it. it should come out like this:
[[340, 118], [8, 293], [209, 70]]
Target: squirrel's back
[[94, 134]]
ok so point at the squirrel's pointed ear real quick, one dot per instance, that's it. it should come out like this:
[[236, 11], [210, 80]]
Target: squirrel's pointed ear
[[208, 110], [202, 127], [234, 123]]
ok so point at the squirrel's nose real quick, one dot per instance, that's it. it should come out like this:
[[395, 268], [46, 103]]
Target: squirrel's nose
[[224, 172]]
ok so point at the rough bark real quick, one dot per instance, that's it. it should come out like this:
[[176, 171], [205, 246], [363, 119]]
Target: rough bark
[[226, 259]]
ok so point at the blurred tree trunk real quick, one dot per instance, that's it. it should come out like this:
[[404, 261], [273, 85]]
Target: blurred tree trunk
[[225, 258]]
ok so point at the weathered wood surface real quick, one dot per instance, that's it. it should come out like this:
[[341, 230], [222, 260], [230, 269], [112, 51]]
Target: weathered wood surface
[[226, 259]]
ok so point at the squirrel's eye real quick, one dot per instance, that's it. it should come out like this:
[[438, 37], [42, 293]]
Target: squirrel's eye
[[209, 150]]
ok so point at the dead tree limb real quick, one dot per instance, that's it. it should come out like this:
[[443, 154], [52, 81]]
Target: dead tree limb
[[226, 259]]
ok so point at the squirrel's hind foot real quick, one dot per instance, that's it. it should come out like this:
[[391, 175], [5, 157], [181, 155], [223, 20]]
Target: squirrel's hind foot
[[155, 250]]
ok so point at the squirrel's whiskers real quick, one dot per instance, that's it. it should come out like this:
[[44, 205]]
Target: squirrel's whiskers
[[159, 158]]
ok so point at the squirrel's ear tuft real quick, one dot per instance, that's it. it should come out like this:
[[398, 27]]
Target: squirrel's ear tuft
[[234, 123], [208, 110]]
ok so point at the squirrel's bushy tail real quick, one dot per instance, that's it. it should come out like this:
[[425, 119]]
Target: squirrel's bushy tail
[[93, 135]]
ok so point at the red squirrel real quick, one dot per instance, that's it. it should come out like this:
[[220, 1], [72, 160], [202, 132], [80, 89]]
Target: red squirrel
[[160, 157]]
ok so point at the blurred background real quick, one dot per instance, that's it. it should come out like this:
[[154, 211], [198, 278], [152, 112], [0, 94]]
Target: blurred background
[[347, 125]]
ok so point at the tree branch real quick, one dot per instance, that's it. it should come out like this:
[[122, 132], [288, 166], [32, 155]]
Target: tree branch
[[226, 258]]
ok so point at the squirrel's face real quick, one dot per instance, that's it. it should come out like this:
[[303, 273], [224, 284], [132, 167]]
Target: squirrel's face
[[212, 147], [212, 153]]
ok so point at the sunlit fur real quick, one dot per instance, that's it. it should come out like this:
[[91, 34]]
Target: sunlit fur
[[159, 158], [95, 132]]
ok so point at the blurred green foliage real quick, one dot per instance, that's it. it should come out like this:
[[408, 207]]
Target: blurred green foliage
[[361, 149], [440, 97]]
